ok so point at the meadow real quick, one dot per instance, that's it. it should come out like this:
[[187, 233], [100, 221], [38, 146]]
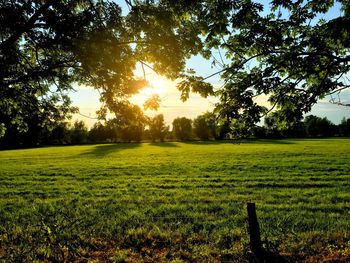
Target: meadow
[[175, 202]]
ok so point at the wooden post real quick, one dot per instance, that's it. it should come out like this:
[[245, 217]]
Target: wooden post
[[254, 231]]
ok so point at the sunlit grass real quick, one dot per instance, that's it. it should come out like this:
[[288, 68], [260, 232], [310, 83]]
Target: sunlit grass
[[174, 200]]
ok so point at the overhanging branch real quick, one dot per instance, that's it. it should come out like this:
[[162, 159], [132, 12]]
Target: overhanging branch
[[27, 26]]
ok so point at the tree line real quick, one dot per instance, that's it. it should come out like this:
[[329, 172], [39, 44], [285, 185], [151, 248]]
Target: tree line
[[204, 127]]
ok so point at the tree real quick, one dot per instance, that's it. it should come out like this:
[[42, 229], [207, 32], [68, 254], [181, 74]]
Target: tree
[[157, 128], [79, 133], [344, 127], [182, 128], [271, 126], [103, 132], [130, 121], [47, 46], [60, 134], [201, 128], [282, 51], [316, 126], [41, 120], [205, 126], [276, 129]]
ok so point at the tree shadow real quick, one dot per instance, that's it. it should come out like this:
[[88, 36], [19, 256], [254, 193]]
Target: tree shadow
[[209, 142], [242, 141], [267, 141], [278, 258], [164, 144], [106, 149]]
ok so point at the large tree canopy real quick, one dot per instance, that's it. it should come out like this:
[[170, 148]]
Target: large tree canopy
[[47, 46], [280, 49]]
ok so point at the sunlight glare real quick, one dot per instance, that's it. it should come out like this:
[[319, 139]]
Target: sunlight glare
[[156, 86]]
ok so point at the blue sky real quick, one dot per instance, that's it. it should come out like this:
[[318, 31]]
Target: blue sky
[[87, 99]]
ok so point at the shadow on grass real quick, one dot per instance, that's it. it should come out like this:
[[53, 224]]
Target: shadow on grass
[[266, 141], [164, 144], [106, 149], [208, 142], [277, 258], [243, 141]]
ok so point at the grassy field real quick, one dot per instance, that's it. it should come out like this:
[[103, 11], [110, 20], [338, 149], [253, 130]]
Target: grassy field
[[180, 202]]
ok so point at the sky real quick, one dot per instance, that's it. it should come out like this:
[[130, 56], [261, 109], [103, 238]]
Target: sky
[[87, 99]]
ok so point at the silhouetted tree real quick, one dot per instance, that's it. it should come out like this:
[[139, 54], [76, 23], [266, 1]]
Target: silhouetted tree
[[130, 121], [157, 128], [79, 133], [271, 126], [182, 128], [60, 134], [43, 127], [260, 132], [344, 127], [46, 46], [205, 126], [274, 128], [282, 51], [103, 132], [201, 128], [316, 126]]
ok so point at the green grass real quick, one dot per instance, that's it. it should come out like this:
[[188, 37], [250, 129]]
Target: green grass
[[175, 201]]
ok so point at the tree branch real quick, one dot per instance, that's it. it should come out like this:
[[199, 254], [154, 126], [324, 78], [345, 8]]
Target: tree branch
[[338, 90], [129, 4], [26, 27]]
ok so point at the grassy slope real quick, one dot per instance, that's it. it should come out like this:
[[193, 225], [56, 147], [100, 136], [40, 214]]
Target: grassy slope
[[174, 200]]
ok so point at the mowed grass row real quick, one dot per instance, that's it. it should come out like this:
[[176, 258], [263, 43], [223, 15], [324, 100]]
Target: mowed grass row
[[175, 201]]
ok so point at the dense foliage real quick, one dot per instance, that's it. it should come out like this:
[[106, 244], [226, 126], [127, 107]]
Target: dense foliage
[[182, 128], [46, 47], [157, 128], [281, 50], [203, 127]]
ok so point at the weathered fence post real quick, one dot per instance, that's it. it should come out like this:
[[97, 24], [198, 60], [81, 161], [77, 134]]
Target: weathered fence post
[[254, 231]]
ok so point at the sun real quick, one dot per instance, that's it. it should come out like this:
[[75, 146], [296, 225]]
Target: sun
[[155, 87]]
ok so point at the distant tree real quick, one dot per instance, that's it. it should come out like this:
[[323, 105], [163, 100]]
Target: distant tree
[[213, 124], [240, 130], [201, 127], [157, 128], [205, 126], [130, 121], [60, 134], [79, 133], [344, 127], [271, 126], [182, 128], [111, 130], [316, 126], [39, 128], [223, 129], [260, 132], [274, 128], [96, 133], [132, 132], [103, 132]]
